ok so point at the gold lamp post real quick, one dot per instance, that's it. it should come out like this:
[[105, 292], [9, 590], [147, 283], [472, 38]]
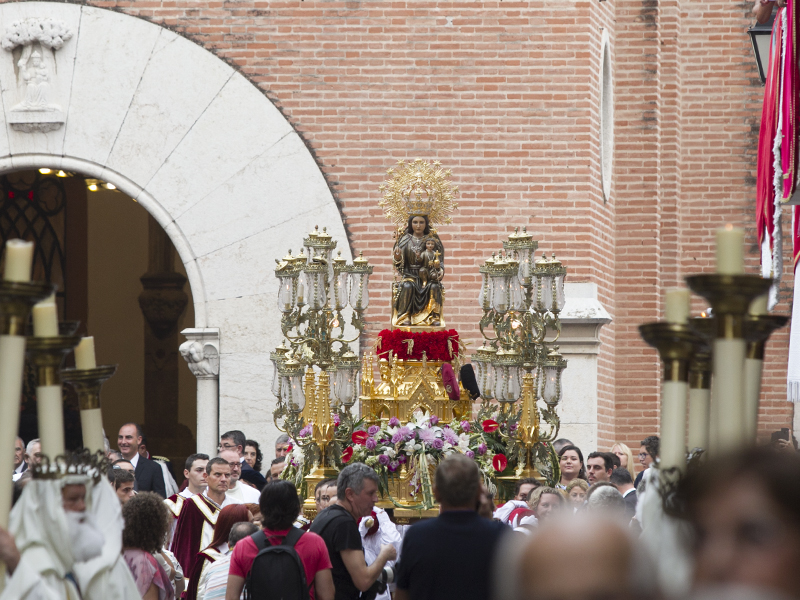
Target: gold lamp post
[[315, 369], [521, 299]]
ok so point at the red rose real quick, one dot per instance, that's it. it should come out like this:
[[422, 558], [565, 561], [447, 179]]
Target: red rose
[[489, 426], [359, 437], [499, 462], [347, 454], [289, 448]]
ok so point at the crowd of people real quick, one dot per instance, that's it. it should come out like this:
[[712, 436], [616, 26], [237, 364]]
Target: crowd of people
[[228, 530]]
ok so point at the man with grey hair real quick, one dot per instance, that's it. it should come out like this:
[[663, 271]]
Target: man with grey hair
[[452, 555], [357, 492], [235, 440], [20, 466], [603, 497], [282, 445]]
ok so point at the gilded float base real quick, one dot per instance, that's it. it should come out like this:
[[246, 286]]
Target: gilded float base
[[316, 475]]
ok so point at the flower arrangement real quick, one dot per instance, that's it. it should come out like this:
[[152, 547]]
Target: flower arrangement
[[424, 441], [406, 345]]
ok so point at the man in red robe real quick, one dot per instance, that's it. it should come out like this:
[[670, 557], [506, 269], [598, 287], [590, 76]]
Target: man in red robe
[[195, 473], [195, 528]]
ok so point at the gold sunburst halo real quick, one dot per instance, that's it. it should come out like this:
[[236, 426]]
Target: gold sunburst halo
[[418, 188]]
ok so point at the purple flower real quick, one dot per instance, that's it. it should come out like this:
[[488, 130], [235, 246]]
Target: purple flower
[[305, 431], [437, 444], [397, 438], [427, 436], [469, 454], [383, 440], [383, 459], [465, 426], [482, 449], [394, 422], [393, 466], [512, 428], [336, 420], [450, 437], [373, 429], [370, 443], [401, 459], [434, 419], [405, 434]]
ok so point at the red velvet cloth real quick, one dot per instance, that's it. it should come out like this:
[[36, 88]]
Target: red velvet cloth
[[437, 345], [188, 539], [789, 103]]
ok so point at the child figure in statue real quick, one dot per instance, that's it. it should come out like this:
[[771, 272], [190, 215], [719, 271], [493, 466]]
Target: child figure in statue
[[430, 261]]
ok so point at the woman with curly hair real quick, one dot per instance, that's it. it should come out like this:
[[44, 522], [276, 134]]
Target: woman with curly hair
[[253, 455], [147, 522], [227, 518]]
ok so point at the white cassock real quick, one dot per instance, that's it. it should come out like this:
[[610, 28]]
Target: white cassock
[[387, 534], [47, 569]]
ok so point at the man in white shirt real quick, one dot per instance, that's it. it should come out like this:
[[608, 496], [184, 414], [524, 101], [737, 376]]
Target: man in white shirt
[[236, 489]]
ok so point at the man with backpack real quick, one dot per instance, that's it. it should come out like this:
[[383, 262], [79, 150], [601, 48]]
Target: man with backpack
[[357, 492], [281, 561]]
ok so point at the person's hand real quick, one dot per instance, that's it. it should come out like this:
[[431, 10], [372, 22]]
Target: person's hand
[[8, 550], [388, 552]]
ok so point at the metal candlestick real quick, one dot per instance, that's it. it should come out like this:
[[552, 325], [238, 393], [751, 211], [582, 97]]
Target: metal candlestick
[[47, 354], [730, 297], [87, 384]]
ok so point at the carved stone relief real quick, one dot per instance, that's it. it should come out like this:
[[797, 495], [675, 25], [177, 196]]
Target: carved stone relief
[[33, 44]]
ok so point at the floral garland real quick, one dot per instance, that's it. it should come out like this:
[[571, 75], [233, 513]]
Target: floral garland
[[406, 345]]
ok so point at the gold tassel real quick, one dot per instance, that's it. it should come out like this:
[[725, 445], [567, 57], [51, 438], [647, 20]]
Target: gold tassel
[[410, 348]]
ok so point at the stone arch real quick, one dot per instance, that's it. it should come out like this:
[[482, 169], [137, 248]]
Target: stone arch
[[204, 151]]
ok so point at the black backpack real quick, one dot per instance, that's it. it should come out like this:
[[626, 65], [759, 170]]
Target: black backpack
[[277, 572]]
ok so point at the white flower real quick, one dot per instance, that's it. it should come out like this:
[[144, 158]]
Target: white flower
[[389, 452]]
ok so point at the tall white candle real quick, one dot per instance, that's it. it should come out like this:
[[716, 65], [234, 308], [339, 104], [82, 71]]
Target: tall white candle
[[45, 318], [730, 250], [752, 393], [728, 398], [676, 306], [19, 258], [51, 419], [12, 362], [92, 427], [673, 424], [84, 354], [699, 418]]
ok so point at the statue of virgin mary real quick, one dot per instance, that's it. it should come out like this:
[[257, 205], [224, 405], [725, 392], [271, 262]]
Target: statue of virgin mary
[[418, 195]]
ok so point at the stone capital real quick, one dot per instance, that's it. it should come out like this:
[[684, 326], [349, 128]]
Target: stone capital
[[201, 352]]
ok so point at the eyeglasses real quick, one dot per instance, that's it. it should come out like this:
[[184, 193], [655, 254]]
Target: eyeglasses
[[235, 465], [226, 447], [643, 455]]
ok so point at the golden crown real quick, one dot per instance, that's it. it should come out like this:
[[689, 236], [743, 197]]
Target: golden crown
[[79, 465], [418, 188]]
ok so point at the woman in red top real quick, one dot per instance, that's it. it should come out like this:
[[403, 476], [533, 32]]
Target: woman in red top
[[227, 518], [280, 506]]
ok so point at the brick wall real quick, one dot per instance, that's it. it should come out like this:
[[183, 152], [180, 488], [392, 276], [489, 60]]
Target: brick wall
[[506, 94]]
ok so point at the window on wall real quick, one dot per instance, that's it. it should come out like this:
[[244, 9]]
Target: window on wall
[[606, 117]]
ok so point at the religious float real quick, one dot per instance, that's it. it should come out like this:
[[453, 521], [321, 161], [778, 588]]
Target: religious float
[[399, 407]]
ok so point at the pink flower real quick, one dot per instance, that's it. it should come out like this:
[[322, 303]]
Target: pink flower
[[469, 454], [373, 429], [434, 419], [465, 426], [427, 436], [336, 420], [450, 437], [394, 422], [437, 444], [481, 449], [371, 443], [305, 431], [383, 459]]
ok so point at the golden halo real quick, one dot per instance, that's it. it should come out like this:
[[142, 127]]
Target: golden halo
[[418, 188]]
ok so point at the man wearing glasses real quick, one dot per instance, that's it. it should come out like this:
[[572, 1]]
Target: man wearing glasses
[[236, 489], [648, 452], [235, 440]]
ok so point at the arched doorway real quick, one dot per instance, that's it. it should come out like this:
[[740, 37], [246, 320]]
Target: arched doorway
[[204, 152]]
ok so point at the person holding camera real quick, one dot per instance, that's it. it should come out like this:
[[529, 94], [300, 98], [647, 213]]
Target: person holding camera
[[357, 492], [451, 556]]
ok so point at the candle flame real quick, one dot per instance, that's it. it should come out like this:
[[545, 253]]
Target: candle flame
[[729, 227]]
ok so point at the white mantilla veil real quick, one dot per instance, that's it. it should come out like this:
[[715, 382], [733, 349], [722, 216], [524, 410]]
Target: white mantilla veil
[[40, 529]]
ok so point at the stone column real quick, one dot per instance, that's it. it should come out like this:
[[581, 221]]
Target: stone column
[[581, 320], [201, 352]]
